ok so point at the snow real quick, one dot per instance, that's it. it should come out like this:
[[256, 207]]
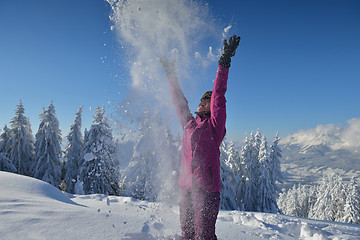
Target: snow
[[153, 28], [89, 156], [227, 28], [33, 209]]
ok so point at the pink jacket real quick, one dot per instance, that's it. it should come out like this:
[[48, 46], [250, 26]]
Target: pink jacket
[[200, 164]]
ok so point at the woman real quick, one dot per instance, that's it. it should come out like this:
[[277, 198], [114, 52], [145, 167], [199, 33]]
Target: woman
[[199, 176]]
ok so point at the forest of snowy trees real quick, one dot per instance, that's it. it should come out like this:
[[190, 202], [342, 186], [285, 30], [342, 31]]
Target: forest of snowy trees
[[90, 164], [333, 199]]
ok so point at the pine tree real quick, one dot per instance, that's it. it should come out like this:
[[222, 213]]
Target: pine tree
[[47, 165], [352, 205], [251, 153], [287, 201], [170, 159], [266, 197], [139, 180], [256, 142], [331, 199], [255, 185], [339, 194], [233, 160], [4, 141], [99, 171], [6, 164], [274, 160], [152, 172], [298, 201], [241, 195], [73, 153], [228, 179], [262, 183], [20, 146]]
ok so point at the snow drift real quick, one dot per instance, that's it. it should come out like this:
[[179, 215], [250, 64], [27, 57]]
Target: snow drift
[[32, 209]]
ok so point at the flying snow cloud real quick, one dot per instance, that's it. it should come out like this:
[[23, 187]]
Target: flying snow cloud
[[152, 28], [184, 31], [333, 135]]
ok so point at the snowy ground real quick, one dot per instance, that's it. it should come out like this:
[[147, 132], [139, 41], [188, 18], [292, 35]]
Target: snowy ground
[[32, 209]]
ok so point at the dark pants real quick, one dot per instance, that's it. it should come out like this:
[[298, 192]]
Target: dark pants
[[198, 214]]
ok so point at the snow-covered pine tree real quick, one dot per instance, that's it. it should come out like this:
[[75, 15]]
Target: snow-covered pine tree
[[149, 176], [297, 201], [170, 162], [339, 194], [167, 159], [20, 146], [352, 205], [47, 165], [139, 180], [73, 153], [331, 199], [99, 172], [241, 195], [255, 189], [274, 160], [256, 141], [233, 160], [79, 185], [4, 140], [228, 179], [266, 193], [263, 179], [308, 199], [251, 153], [287, 201], [5, 163]]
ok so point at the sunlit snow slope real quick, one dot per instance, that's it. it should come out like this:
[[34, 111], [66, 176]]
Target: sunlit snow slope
[[32, 209]]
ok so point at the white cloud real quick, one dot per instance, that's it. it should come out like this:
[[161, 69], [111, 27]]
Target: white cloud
[[351, 134], [335, 136]]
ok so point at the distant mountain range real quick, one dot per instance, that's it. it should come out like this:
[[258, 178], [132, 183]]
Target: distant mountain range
[[308, 154]]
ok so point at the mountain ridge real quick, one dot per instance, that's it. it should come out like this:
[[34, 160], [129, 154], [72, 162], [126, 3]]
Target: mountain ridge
[[326, 149]]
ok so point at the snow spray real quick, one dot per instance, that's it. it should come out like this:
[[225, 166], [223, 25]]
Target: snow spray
[[181, 30], [176, 29]]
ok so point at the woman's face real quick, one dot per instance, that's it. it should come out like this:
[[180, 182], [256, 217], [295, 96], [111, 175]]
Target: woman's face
[[204, 106]]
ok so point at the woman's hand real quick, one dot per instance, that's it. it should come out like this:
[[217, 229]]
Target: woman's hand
[[229, 50]]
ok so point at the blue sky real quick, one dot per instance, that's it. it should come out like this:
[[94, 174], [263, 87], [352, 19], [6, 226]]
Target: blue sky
[[297, 66]]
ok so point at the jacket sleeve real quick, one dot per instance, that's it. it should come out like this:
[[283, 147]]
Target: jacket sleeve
[[179, 100], [218, 102]]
